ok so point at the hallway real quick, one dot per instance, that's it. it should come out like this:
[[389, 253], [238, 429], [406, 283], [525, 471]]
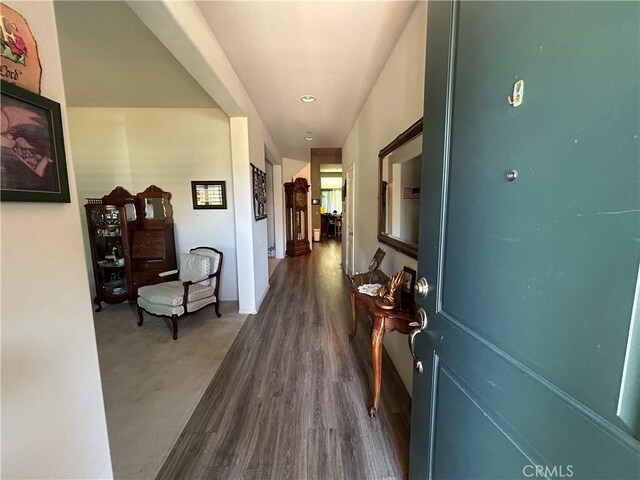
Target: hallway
[[290, 398]]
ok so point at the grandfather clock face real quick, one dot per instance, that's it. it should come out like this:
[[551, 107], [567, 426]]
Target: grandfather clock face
[[300, 200]]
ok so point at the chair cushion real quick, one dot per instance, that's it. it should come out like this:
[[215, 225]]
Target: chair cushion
[[169, 310], [158, 309], [171, 293], [194, 267]]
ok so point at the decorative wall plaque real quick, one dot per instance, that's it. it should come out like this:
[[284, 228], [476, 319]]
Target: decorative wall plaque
[[19, 61], [259, 193]]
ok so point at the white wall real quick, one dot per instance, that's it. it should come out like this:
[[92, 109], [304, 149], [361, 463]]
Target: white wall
[[53, 421], [292, 169], [395, 102], [181, 27], [167, 147]]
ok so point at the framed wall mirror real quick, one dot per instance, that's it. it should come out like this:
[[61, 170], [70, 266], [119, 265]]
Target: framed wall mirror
[[400, 169]]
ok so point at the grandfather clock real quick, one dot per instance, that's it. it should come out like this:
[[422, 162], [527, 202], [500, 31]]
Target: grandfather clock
[[296, 217]]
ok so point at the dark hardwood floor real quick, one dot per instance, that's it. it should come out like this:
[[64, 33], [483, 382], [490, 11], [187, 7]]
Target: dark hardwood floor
[[290, 398]]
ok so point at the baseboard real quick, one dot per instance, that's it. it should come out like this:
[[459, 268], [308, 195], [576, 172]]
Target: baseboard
[[252, 312], [264, 294]]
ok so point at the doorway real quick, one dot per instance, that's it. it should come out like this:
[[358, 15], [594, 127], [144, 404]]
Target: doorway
[[348, 239], [271, 225], [331, 202]]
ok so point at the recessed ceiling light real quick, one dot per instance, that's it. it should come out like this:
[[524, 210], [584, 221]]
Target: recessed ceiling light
[[308, 98], [308, 139]]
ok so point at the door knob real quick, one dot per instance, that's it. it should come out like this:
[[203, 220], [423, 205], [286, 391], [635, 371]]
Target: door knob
[[422, 288], [420, 326]]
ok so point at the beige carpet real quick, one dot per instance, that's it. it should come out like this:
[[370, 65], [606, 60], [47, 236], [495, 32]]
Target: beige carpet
[[152, 383]]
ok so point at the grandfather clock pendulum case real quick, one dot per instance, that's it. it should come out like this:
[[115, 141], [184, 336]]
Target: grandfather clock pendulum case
[[296, 217]]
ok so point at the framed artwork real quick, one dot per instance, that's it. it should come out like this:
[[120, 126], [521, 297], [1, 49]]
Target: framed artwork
[[259, 193], [209, 194], [33, 167], [409, 281]]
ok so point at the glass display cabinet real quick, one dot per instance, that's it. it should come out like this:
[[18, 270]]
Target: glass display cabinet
[[297, 217], [111, 222]]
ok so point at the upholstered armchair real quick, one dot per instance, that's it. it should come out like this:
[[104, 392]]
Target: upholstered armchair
[[197, 287]]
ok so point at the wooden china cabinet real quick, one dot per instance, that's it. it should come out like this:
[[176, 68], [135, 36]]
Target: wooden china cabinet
[[297, 217], [132, 241], [111, 221], [154, 249]]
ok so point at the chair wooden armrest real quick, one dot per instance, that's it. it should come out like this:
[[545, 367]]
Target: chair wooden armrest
[[186, 286]]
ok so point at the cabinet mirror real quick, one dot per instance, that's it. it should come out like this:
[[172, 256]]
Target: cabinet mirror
[[400, 169], [154, 208]]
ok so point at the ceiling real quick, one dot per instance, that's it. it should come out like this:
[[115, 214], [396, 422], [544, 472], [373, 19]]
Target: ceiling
[[111, 59], [333, 50]]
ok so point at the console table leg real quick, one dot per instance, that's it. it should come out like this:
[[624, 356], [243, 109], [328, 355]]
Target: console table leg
[[377, 336], [354, 318]]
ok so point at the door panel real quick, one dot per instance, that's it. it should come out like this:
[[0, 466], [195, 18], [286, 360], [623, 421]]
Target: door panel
[[467, 453], [533, 280], [519, 243], [507, 411]]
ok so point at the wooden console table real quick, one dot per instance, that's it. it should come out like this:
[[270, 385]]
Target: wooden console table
[[396, 320]]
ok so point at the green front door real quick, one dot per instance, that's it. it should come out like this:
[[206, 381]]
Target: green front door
[[531, 363]]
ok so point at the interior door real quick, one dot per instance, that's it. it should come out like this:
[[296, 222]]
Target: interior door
[[350, 211], [530, 242]]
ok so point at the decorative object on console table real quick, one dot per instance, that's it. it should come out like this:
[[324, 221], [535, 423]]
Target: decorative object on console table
[[111, 222], [374, 274], [259, 193], [388, 297], [32, 159], [209, 194], [154, 249], [409, 281], [19, 60], [296, 217]]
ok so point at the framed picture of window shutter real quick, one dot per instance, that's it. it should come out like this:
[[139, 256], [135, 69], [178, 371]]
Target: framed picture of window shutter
[[209, 194]]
